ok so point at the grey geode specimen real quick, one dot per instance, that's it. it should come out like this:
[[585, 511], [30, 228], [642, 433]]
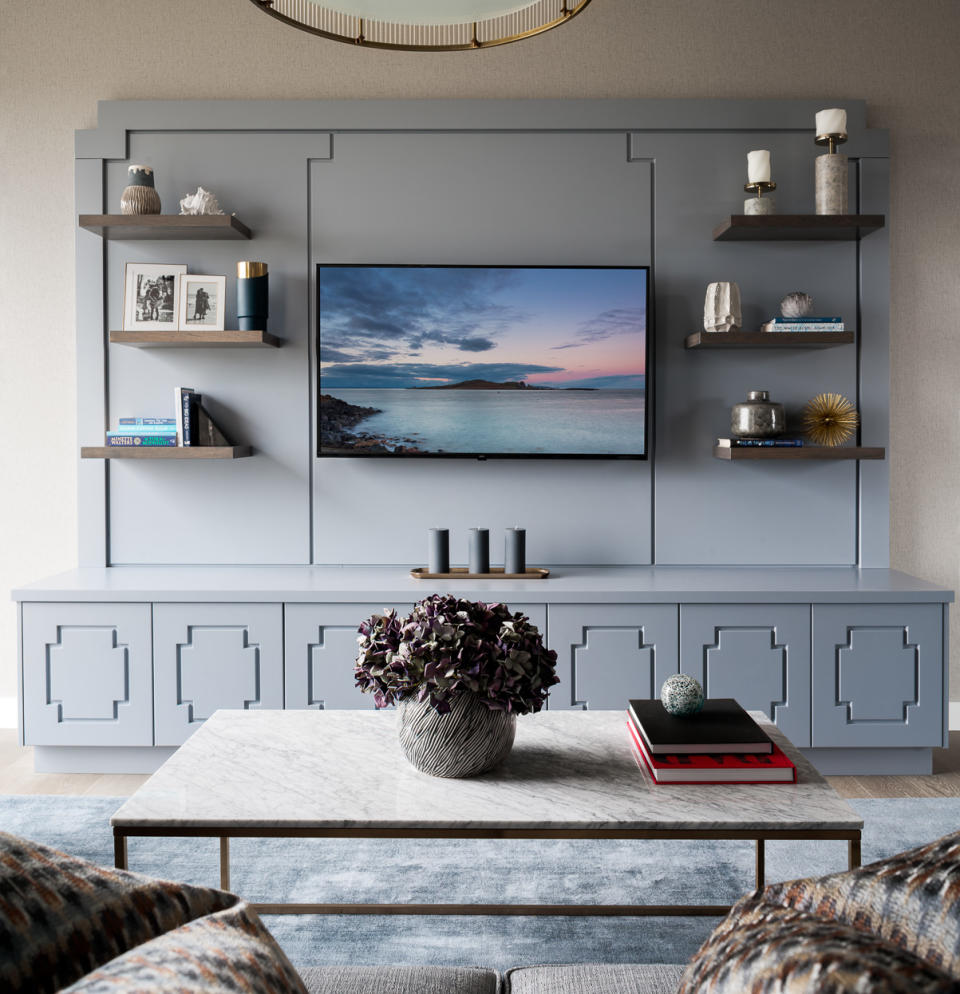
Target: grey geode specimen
[[721, 308], [796, 305]]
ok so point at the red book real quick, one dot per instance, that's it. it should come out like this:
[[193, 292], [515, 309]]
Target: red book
[[771, 767]]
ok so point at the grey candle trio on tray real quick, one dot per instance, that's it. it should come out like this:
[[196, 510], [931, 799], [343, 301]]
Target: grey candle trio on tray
[[478, 550]]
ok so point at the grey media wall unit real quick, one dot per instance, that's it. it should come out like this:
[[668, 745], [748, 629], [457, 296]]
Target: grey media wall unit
[[239, 582], [120, 665]]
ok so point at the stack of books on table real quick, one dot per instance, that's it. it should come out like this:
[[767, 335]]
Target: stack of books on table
[[795, 325], [720, 744], [144, 432]]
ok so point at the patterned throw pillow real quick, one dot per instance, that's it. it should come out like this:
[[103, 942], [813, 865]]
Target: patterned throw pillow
[[892, 926], [229, 952], [912, 900], [764, 948], [61, 917]]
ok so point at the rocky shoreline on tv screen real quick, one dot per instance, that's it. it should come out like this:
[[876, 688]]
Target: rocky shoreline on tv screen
[[337, 421]]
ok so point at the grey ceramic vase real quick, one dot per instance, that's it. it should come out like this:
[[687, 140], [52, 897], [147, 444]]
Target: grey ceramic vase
[[140, 195], [467, 740], [757, 417]]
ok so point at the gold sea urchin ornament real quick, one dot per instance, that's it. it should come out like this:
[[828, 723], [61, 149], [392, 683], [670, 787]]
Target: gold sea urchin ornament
[[830, 419]]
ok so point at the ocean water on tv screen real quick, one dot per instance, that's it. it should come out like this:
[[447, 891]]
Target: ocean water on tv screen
[[535, 422]]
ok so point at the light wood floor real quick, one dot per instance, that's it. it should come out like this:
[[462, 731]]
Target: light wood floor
[[17, 777]]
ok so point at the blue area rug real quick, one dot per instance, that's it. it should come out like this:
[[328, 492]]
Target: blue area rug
[[524, 871]]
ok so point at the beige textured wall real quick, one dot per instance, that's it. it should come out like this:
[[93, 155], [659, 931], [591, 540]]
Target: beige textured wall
[[57, 59]]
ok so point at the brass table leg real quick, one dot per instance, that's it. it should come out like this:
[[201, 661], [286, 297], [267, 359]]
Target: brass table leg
[[853, 853], [119, 851], [224, 862]]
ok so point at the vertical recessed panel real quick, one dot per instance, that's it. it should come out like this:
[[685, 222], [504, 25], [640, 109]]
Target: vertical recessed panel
[[877, 675], [320, 651], [213, 656], [759, 654], [87, 674], [507, 199], [607, 654]]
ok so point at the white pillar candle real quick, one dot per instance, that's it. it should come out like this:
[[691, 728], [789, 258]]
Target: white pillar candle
[[832, 122], [758, 166]]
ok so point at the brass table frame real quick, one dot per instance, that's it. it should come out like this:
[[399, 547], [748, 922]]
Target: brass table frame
[[226, 832]]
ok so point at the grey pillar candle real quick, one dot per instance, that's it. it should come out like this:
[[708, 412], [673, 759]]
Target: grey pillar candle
[[479, 550], [439, 561], [515, 551]]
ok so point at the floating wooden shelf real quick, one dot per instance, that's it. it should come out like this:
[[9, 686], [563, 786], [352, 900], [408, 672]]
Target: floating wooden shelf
[[796, 227], [125, 227], [496, 573], [195, 339], [800, 452], [165, 452], [767, 339]]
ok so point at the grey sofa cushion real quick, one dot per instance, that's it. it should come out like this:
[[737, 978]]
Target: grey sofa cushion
[[591, 978], [399, 980]]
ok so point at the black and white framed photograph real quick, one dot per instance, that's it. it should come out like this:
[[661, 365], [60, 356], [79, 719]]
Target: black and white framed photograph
[[151, 298], [202, 302]]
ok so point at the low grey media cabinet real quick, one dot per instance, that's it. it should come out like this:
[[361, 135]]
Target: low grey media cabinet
[[120, 665]]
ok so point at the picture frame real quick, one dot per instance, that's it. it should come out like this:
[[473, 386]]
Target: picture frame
[[151, 296], [202, 302]]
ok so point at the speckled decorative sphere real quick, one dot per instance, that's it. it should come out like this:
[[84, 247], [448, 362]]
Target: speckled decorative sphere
[[681, 695]]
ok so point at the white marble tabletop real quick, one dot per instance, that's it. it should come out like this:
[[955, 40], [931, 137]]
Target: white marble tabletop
[[345, 769]]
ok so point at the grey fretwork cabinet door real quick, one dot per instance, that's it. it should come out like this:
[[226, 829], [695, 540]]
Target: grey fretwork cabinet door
[[86, 675], [877, 675], [608, 653], [758, 654], [210, 656], [320, 647]]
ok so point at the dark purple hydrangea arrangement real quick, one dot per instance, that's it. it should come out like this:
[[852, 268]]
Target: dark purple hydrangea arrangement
[[447, 646]]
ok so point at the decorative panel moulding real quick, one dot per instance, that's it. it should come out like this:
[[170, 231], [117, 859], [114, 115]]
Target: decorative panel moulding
[[87, 674]]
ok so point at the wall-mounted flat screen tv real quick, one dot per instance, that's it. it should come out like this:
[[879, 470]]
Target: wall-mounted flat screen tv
[[483, 361]]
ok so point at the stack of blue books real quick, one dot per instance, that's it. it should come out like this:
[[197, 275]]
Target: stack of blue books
[[795, 325], [144, 431]]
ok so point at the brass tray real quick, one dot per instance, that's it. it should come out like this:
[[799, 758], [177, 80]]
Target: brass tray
[[496, 573]]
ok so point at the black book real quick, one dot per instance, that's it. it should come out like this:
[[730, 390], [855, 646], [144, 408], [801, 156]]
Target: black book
[[722, 726]]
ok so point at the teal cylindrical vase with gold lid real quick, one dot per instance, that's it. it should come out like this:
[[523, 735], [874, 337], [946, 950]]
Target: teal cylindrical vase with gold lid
[[253, 299], [140, 195]]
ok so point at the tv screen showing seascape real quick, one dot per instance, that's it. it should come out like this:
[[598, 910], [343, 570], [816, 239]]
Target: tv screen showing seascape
[[473, 361]]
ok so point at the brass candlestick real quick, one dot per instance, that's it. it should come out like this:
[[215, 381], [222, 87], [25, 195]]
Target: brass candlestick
[[831, 184], [832, 140], [757, 205]]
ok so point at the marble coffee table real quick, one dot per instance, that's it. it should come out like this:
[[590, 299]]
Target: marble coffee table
[[571, 775]]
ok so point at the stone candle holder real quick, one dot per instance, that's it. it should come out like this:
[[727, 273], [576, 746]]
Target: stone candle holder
[[831, 175]]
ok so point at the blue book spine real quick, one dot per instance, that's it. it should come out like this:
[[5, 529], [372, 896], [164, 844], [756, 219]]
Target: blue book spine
[[809, 319], [146, 441], [153, 422], [771, 443], [145, 430]]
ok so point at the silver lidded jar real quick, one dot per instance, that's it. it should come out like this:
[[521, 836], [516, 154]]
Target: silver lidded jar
[[757, 417], [140, 195]]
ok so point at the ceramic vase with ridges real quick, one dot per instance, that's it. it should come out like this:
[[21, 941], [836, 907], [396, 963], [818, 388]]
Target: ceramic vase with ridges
[[469, 739], [140, 196]]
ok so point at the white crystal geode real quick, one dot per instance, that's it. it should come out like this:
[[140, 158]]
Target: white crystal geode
[[721, 308], [796, 305], [201, 202]]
